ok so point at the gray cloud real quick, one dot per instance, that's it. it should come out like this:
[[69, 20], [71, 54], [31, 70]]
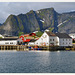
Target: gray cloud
[[7, 8]]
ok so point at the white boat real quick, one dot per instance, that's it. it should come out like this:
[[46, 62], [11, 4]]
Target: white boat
[[58, 51]]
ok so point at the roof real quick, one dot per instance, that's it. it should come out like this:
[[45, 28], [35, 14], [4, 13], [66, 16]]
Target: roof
[[16, 37], [72, 34], [50, 34], [32, 40], [8, 38], [32, 33], [62, 35]]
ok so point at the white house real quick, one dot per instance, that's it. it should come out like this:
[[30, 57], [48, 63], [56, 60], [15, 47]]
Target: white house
[[48, 38], [72, 35], [57, 39], [8, 41], [64, 39]]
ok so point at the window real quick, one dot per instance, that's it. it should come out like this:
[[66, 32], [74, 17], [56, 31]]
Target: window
[[11, 42], [50, 39], [47, 43], [63, 42], [69, 40], [44, 36], [66, 39], [6, 42], [63, 39], [53, 39]]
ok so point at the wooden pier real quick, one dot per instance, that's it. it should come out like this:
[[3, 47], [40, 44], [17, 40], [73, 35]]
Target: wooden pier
[[14, 47], [43, 48]]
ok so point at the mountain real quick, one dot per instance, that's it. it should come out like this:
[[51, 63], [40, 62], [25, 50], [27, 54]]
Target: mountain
[[68, 22], [39, 20]]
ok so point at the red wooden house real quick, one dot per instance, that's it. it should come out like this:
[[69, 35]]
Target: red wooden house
[[27, 35], [32, 34], [24, 40]]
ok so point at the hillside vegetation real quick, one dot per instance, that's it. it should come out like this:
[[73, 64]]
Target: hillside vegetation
[[39, 20]]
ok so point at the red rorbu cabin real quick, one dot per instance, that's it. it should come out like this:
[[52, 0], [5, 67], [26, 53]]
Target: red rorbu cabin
[[24, 40], [32, 34], [27, 35]]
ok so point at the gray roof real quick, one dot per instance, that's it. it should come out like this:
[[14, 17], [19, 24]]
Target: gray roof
[[8, 38], [50, 33], [32, 40], [62, 35]]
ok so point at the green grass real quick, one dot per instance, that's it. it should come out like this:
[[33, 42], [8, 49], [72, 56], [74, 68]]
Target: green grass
[[0, 37], [21, 33], [39, 33]]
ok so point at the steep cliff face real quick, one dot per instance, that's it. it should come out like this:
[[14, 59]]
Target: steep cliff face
[[39, 20], [10, 26], [46, 18], [66, 22]]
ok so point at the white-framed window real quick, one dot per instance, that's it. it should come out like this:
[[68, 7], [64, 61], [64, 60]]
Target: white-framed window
[[44, 36], [47, 43], [53, 39], [6, 42], [50, 39], [69, 39], [11, 42]]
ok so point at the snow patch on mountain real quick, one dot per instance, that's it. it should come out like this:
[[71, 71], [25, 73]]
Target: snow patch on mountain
[[62, 23]]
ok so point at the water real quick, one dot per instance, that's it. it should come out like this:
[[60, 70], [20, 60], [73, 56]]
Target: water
[[37, 62]]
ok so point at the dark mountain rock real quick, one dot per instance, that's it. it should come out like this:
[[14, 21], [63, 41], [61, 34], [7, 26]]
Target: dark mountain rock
[[39, 20]]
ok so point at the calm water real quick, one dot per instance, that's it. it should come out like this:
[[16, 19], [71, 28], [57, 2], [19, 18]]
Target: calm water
[[37, 62]]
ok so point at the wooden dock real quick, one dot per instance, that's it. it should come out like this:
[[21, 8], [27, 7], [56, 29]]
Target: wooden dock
[[14, 47], [26, 48]]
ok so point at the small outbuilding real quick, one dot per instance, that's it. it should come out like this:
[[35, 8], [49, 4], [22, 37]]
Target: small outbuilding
[[64, 39], [8, 41]]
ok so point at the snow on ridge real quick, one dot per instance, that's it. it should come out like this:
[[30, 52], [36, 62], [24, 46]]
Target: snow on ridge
[[62, 23], [42, 21], [35, 31], [37, 11]]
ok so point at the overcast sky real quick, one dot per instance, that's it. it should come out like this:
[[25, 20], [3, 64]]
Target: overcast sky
[[7, 8]]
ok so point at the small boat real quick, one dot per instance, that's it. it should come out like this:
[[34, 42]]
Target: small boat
[[58, 51]]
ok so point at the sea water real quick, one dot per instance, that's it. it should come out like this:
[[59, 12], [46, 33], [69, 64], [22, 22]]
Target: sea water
[[37, 62]]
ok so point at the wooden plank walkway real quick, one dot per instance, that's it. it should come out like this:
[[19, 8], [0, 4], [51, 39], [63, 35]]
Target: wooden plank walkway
[[14, 47], [26, 48]]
